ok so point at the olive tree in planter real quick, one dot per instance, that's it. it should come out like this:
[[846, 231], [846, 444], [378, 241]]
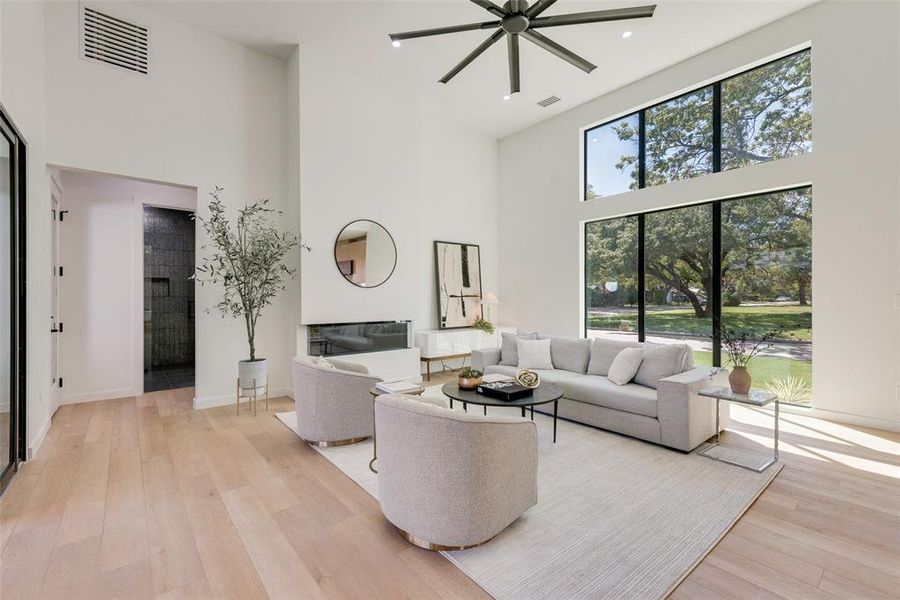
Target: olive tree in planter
[[246, 259]]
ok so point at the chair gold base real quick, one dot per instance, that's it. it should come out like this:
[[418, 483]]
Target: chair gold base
[[417, 541], [334, 443]]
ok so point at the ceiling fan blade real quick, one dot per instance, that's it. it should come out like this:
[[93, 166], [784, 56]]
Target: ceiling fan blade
[[408, 35], [552, 47], [597, 16], [495, 37], [490, 7], [539, 7], [512, 44]]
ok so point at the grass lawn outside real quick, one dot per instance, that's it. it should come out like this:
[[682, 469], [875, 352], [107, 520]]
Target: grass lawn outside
[[790, 379], [795, 320]]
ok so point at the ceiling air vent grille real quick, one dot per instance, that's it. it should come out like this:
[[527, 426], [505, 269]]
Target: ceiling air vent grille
[[113, 41], [548, 101]]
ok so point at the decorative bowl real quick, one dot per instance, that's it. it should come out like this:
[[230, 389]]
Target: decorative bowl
[[466, 383]]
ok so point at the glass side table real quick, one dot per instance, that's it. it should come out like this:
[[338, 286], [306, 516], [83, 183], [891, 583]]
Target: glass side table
[[375, 392], [756, 398]]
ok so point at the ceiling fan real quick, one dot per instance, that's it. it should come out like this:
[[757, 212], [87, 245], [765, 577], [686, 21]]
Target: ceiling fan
[[517, 19]]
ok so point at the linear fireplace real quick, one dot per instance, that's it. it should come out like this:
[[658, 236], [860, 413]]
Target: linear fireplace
[[336, 339]]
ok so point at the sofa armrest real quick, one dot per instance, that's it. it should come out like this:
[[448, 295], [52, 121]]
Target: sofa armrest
[[485, 357], [687, 419]]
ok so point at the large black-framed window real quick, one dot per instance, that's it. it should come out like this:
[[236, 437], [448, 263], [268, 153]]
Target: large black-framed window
[[12, 299], [682, 274], [758, 115]]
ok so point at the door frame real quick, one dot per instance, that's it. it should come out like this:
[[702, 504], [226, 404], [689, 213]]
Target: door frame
[[17, 410]]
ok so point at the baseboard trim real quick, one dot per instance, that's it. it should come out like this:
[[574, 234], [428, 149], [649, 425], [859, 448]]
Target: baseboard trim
[[849, 419], [214, 401], [35, 446], [97, 396]]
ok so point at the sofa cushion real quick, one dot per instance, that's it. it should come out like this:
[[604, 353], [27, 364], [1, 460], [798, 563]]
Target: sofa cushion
[[660, 361], [600, 391], [554, 376], [604, 351], [570, 354], [509, 353], [626, 365], [534, 354]]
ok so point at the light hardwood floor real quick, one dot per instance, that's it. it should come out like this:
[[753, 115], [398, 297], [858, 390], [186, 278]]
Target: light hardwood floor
[[146, 498]]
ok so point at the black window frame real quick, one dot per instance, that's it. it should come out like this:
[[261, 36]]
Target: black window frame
[[716, 300], [642, 118]]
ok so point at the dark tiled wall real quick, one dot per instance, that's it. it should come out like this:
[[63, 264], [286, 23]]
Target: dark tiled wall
[[168, 291]]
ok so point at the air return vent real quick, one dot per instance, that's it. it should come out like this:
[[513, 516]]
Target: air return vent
[[113, 41], [548, 101]]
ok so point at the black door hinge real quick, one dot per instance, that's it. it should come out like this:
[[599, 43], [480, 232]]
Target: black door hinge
[[60, 382], [60, 271], [60, 327], [62, 215]]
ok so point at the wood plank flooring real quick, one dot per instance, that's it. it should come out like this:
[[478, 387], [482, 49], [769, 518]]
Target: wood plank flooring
[[146, 498]]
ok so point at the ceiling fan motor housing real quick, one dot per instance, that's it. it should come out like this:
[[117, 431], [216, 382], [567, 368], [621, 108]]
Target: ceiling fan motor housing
[[516, 23]]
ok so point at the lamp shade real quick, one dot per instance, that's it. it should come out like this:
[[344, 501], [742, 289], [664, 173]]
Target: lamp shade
[[490, 298]]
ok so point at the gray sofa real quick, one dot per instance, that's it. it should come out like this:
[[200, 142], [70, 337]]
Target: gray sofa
[[661, 405]]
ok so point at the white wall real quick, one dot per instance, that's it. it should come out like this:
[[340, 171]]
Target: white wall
[[211, 112], [23, 95], [370, 148], [856, 65], [101, 293]]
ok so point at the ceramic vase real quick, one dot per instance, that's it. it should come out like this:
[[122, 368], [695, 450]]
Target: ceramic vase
[[740, 380]]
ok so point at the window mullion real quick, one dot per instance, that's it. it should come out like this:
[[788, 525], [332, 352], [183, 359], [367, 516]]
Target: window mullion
[[641, 277], [716, 284], [717, 127], [642, 144]]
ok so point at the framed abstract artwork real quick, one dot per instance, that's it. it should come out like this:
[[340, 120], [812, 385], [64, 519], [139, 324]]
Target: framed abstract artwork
[[458, 274]]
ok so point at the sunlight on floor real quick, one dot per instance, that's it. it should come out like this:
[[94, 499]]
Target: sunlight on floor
[[816, 439]]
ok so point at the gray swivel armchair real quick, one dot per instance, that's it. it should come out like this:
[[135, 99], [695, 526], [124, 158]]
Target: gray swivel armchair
[[449, 480], [333, 404]]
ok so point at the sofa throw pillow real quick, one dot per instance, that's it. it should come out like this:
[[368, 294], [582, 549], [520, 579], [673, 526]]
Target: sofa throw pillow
[[509, 354], [625, 365], [661, 361], [604, 351], [570, 354], [534, 354], [324, 363]]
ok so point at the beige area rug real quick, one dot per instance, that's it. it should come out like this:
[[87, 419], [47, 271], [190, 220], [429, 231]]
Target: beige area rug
[[615, 518]]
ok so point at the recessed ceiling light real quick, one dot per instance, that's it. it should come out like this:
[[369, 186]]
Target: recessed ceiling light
[[507, 97], [396, 43], [626, 34]]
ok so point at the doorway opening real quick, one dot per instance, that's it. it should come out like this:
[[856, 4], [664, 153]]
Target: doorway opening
[[168, 299], [126, 314]]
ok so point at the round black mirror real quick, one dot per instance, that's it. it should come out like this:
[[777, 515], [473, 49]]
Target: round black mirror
[[365, 253]]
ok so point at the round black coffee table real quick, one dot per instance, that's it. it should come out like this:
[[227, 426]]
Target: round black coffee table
[[543, 394]]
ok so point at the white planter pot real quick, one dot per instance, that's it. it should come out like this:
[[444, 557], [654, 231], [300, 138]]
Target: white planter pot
[[250, 372]]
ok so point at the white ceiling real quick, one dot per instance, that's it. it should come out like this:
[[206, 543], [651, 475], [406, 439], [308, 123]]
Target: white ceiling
[[678, 30]]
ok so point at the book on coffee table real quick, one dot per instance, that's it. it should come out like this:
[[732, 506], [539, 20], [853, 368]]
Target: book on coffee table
[[396, 387], [505, 390], [495, 377]]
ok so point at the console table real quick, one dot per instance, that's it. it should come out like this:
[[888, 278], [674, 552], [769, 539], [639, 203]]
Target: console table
[[452, 344]]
